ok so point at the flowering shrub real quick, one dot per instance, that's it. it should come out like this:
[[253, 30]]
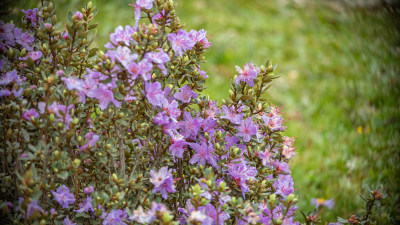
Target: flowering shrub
[[125, 136]]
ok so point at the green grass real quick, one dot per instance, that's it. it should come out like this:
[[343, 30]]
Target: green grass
[[339, 86]]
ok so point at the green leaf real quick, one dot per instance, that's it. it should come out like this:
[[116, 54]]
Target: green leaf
[[25, 134], [63, 175]]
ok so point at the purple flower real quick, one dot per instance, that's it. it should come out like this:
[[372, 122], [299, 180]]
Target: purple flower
[[213, 110], [85, 206], [154, 93], [6, 33], [123, 54], [67, 221], [73, 83], [145, 69], [159, 58], [88, 190], [161, 118], [24, 39], [24, 155], [281, 167], [180, 42], [162, 181], [121, 36], [32, 207], [35, 55], [241, 173], [247, 129], [178, 147], [231, 115], [231, 141], [199, 36], [91, 138], [265, 157], [133, 69], [203, 154], [171, 109], [9, 77], [30, 113], [199, 217], [185, 94], [63, 196], [190, 126], [284, 185], [104, 95], [115, 217], [142, 217], [322, 202], [277, 213], [31, 15], [248, 74], [212, 212]]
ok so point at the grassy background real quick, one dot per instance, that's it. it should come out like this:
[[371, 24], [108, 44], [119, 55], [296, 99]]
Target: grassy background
[[339, 89]]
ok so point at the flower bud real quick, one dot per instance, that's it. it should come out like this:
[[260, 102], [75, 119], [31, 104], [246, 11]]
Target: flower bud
[[167, 217], [48, 27], [115, 177], [77, 163], [291, 197], [222, 185], [272, 198], [234, 200]]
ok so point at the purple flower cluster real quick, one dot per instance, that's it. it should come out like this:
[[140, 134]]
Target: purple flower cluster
[[91, 87], [284, 185], [61, 112], [10, 36], [32, 207], [31, 16], [7, 81], [241, 173], [277, 214]]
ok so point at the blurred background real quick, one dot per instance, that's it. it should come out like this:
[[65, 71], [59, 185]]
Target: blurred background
[[340, 84]]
